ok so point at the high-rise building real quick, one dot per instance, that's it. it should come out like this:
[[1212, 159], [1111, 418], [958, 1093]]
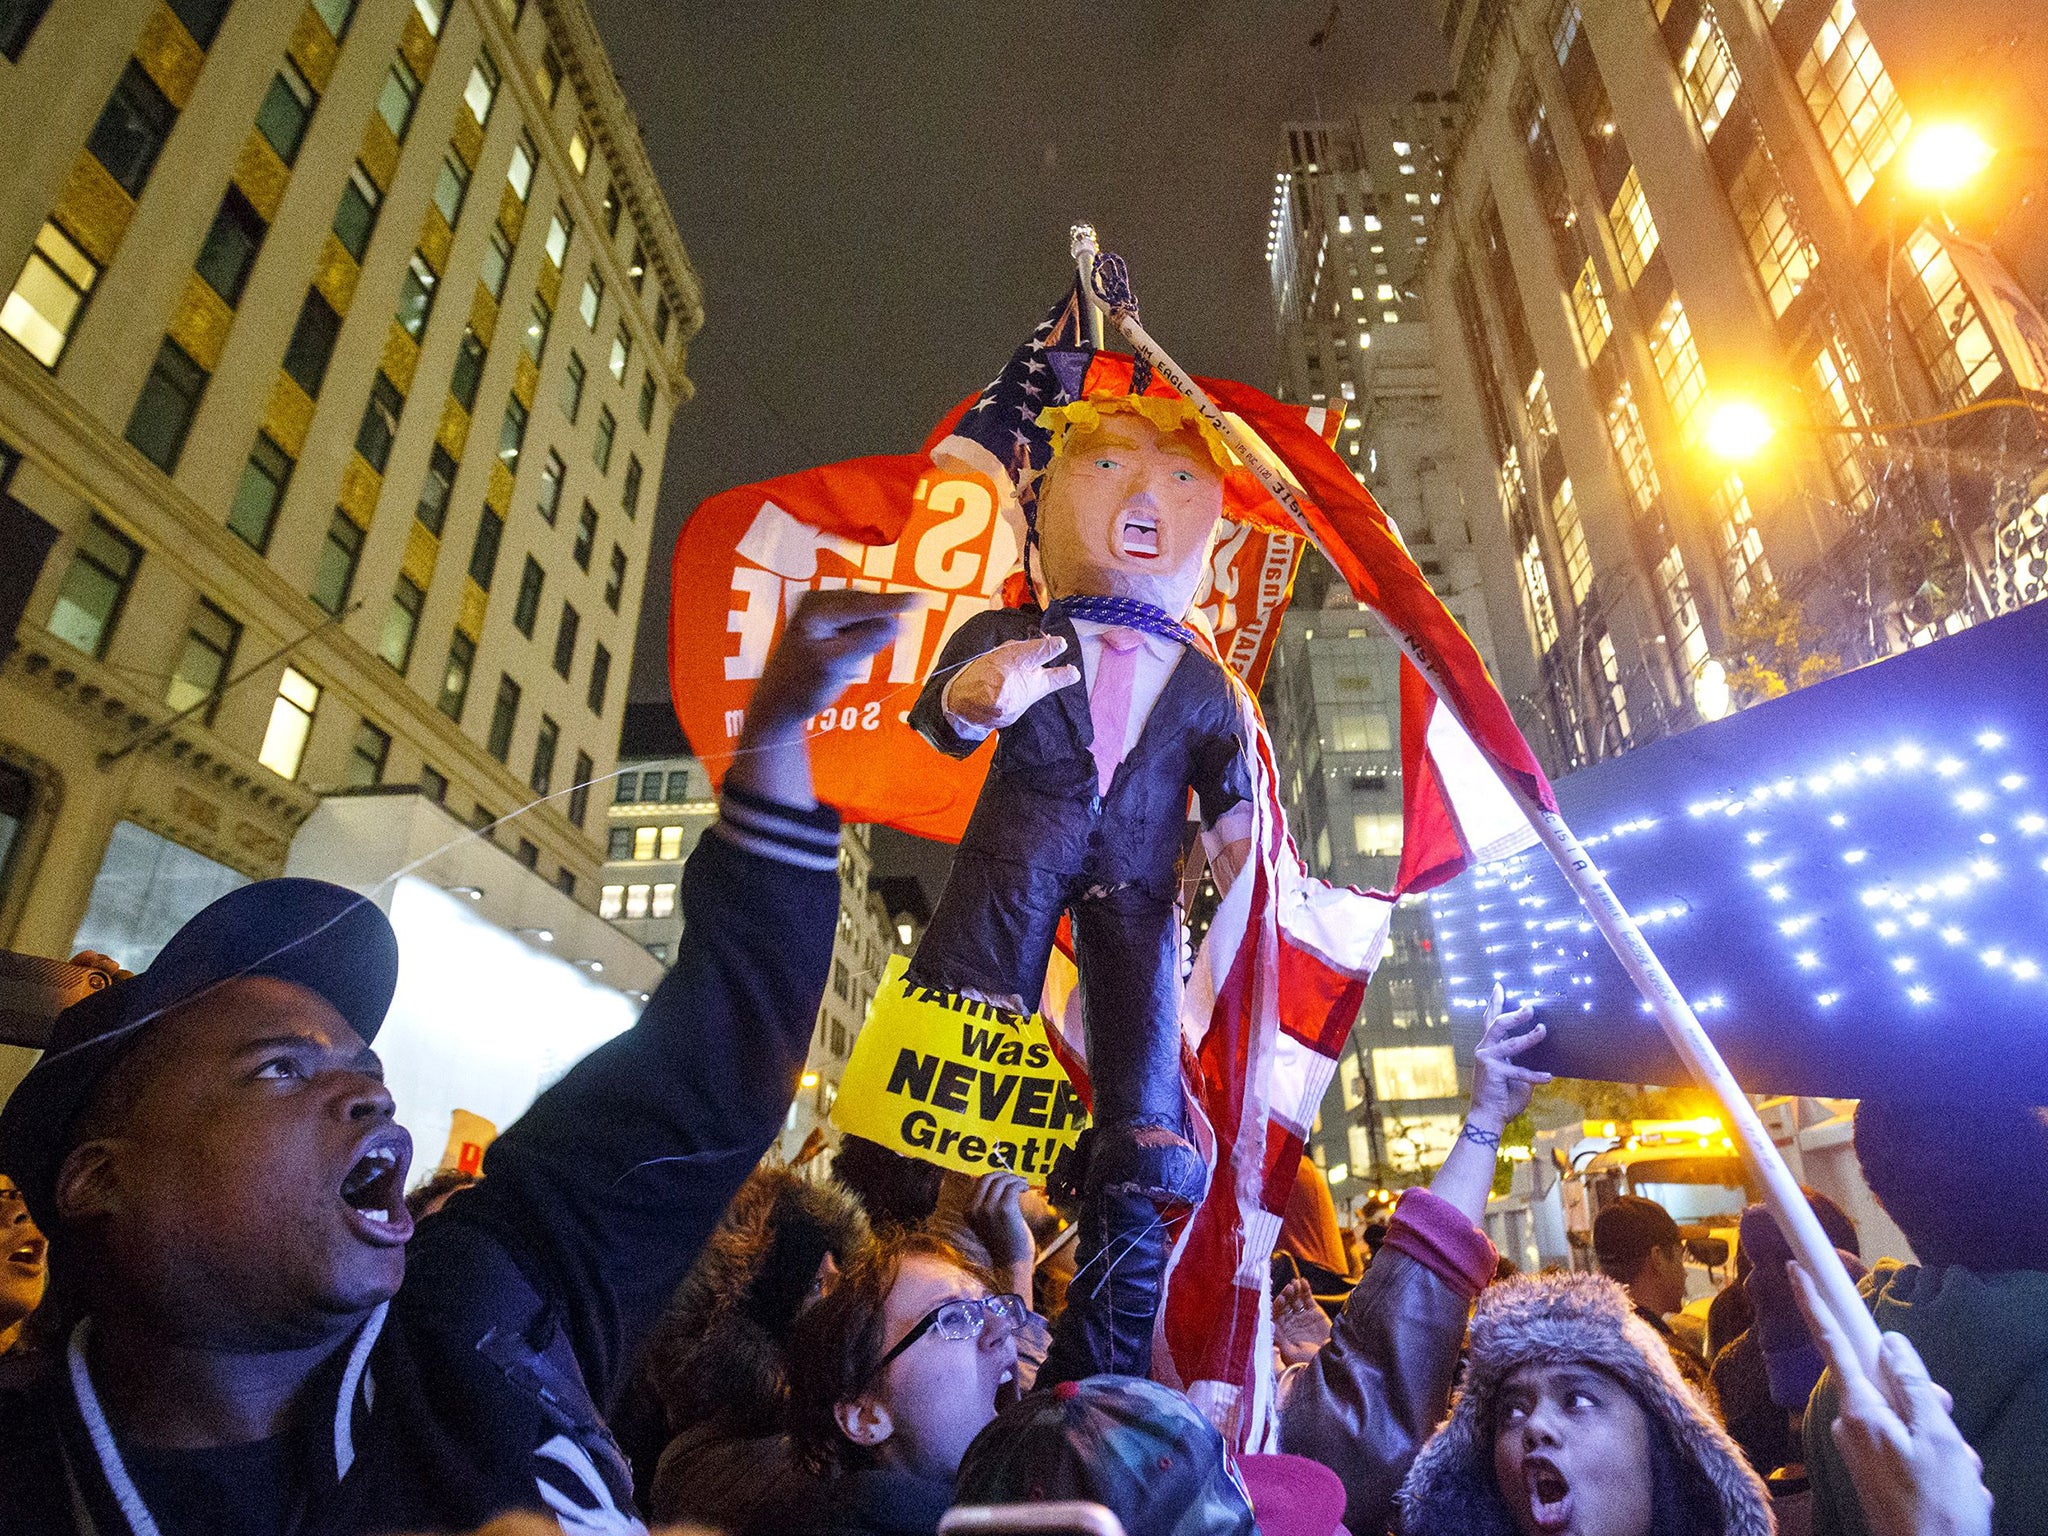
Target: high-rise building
[[339, 347], [1348, 236], [1672, 226]]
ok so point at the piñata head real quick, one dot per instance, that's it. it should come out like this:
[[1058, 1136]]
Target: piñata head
[[1129, 503]]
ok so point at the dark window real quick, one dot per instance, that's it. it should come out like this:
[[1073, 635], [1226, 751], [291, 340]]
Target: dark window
[[433, 508], [484, 821], [551, 476], [416, 295], [455, 680], [678, 788], [401, 624], [203, 661], [231, 246], [367, 754], [647, 401], [469, 369], [400, 94], [165, 408], [483, 554], [636, 269], [650, 788], [600, 678], [565, 641], [95, 586], [527, 608], [544, 745], [579, 794], [572, 387], [18, 19], [622, 352], [132, 129], [433, 784], [497, 262], [307, 354], [615, 583], [620, 844], [430, 12], [356, 215], [334, 569], [201, 17], [538, 318], [661, 318], [451, 186], [565, 879], [336, 14], [607, 429], [512, 433], [380, 422], [547, 74], [529, 853], [254, 510], [504, 715], [625, 791], [611, 208], [586, 535], [287, 108], [629, 493]]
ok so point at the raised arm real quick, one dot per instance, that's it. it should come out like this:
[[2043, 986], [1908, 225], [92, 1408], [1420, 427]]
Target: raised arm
[[603, 1192]]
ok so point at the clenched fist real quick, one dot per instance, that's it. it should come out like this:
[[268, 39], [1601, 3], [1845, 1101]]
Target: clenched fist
[[995, 688]]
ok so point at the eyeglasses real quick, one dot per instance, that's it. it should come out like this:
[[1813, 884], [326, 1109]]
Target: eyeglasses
[[961, 1318]]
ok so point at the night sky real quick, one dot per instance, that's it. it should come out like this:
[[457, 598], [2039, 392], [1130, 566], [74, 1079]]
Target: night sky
[[876, 199]]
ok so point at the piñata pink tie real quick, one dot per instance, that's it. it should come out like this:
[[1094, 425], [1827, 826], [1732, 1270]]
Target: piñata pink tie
[[1109, 702]]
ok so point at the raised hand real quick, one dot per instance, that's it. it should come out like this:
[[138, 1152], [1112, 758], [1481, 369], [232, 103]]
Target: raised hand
[[1501, 1089], [1913, 1472], [995, 688], [1300, 1325]]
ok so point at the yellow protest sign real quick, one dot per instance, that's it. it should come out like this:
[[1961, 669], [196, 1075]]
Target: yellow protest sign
[[958, 1083]]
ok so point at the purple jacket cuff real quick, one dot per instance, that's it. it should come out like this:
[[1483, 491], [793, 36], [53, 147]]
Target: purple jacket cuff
[[1437, 1235]]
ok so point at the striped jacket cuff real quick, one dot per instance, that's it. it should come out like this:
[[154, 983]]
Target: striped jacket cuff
[[805, 839]]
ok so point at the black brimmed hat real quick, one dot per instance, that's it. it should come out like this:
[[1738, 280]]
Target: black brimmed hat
[[326, 938]]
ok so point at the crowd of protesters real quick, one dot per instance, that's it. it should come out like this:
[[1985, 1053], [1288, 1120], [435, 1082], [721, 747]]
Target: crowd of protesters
[[220, 1311]]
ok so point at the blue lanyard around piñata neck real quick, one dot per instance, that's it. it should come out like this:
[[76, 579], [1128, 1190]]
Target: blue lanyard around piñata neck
[[1126, 613]]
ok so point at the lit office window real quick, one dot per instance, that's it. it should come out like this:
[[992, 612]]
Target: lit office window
[[538, 319], [519, 174], [1415, 1072], [549, 501], [1742, 548], [203, 660], [455, 676], [1852, 100], [481, 89], [592, 299], [1948, 328], [636, 901], [1710, 78], [645, 841], [1840, 403], [1542, 420], [1589, 308], [579, 150], [1617, 696], [430, 15], [671, 843], [95, 587], [1635, 232], [416, 295], [560, 228], [622, 352], [611, 900], [291, 722], [664, 902], [512, 433], [1678, 364], [397, 97], [1376, 834], [47, 298], [1632, 448], [1682, 614], [1783, 259], [1571, 540], [1536, 588]]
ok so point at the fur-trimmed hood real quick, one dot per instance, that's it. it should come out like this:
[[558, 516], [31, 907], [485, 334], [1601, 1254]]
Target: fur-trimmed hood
[[1551, 1320], [710, 1354]]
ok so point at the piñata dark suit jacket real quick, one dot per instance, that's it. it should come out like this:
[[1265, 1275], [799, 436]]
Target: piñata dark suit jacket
[[1043, 840]]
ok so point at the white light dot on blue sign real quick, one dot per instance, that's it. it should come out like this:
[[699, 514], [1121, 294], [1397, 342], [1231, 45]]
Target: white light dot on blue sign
[[1952, 934], [1753, 838], [2011, 781], [1987, 837], [1909, 756], [1887, 929], [1990, 741], [1920, 994], [1948, 767], [1993, 958], [2032, 823], [1808, 960], [1972, 800], [1855, 856], [2025, 970], [1917, 920], [1984, 869], [1903, 963], [1838, 820], [1777, 893], [1828, 999]]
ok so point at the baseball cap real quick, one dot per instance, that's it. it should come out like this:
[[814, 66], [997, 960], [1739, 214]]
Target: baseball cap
[[1140, 1449], [332, 941], [1628, 1230]]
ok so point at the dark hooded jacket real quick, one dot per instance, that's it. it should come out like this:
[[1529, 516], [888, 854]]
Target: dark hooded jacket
[[1585, 1319], [1985, 1338], [714, 1377]]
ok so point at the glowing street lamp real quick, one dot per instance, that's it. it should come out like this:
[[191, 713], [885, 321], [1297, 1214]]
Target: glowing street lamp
[[1945, 157], [1738, 430]]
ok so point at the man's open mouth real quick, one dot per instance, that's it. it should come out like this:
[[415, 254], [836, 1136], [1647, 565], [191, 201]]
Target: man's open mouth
[[374, 1187], [1137, 536], [1550, 1496], [28, 1254], [1007, 1391]]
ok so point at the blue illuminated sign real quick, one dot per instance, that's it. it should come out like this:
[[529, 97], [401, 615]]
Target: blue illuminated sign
[[1850, 885]]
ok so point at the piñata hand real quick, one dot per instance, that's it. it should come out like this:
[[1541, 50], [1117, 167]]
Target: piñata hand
[[995, 688]]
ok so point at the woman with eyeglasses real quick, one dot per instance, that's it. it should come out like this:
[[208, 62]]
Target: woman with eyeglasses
[[892, 1375]]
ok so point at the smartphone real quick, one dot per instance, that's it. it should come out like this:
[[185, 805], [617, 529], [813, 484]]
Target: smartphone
[[34, 990], [1055, 1517]]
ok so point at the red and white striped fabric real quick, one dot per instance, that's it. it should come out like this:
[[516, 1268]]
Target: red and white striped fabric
[[1283, 968]]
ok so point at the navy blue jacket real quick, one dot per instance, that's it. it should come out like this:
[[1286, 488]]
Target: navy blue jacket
[[477, 1389]]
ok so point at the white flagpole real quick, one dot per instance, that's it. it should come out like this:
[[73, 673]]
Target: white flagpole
[[1795, 1218]]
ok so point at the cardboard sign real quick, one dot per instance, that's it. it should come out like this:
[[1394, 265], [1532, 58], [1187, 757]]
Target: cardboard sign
[[968, 1086]]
